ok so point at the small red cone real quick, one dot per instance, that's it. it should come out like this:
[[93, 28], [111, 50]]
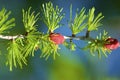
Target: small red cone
[[57, 38], [112, 43]]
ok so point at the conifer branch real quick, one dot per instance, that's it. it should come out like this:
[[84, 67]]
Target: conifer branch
[[11, 37], [23, 45], [66, 37], [79, 38]]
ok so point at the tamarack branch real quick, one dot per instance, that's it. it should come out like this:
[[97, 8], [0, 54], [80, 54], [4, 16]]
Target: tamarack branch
[[65, 37], [11, 37], [24, 45]]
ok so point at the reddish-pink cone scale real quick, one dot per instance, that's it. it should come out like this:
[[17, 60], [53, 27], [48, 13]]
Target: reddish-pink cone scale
[[112, 44], [57, 38]]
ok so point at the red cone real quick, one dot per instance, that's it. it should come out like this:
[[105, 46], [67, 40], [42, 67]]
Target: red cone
[[57, 38], [112, 43]]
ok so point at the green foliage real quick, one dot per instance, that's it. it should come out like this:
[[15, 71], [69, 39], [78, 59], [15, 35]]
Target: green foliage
[[5, 23], [48, 48], [52, 16], [103, 36], [29, 20], [31, 42], [94, 22], [32, 35], [35, 39], [97, 45], [78, 24], [14, 55], [20, 48], [70, 45]]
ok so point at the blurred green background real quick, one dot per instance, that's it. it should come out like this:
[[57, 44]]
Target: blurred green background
[[77, 65]]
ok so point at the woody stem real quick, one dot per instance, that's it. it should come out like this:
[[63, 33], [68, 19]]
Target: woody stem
[[11, 37], [66, 37], [79, 38]]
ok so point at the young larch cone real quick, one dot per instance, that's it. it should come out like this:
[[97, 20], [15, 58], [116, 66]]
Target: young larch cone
[[57, 38], [112, 43]]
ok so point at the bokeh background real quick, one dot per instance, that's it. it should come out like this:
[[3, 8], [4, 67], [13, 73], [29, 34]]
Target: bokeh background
[[71, 65]]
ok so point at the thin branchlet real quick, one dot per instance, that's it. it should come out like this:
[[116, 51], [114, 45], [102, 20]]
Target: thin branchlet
[[11, 37], [66, 37]]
